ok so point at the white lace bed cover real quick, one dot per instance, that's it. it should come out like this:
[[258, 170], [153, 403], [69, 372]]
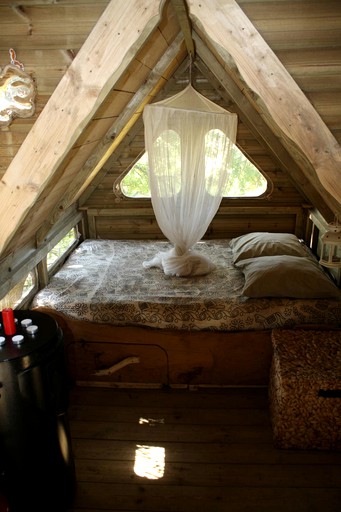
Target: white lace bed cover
[[104, 281]]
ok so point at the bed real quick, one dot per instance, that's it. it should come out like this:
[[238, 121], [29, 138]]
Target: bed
[[128, 325]]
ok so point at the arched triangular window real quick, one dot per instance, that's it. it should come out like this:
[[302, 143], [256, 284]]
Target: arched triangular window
[[245, 179]]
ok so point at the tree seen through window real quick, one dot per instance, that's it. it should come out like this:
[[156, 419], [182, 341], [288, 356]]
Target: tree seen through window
[[245, 180]]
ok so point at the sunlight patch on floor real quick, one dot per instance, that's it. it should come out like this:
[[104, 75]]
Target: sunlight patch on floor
[[149, 461]]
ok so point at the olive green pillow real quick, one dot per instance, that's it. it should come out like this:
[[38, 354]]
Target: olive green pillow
[[258, 244], [286, 276]]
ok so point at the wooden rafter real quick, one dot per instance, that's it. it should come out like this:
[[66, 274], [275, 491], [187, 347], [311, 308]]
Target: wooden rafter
[[133, 131], [210, 67], [181, 10], [111, 46], [277, 96], [157, 79]]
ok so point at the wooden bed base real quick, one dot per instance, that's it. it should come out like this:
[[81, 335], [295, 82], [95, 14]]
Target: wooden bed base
[[112, 356]]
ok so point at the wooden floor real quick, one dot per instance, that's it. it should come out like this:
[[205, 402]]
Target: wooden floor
[[218, 455]]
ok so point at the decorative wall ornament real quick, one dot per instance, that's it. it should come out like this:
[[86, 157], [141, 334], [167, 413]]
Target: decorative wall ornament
[[17, 91]]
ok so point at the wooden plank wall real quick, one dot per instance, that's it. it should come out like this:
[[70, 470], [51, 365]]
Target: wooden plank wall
[[306, 39], [42, 36], [281, 209], [229, 222], [304, 35], [47, 35], [58, 190]]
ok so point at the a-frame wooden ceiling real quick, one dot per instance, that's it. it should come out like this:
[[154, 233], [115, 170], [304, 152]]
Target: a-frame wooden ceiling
[[97, 64]]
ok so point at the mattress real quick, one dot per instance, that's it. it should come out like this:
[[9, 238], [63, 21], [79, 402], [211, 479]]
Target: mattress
[[104, 281]]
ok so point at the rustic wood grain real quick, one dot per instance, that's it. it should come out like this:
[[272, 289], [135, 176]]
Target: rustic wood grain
[[82, 89], [219, 454]]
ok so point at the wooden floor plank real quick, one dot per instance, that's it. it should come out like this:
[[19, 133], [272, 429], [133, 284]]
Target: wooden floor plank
[[159, 498], [232, 453], [214, 475], [169, 416], [162, 432], [219, 454]]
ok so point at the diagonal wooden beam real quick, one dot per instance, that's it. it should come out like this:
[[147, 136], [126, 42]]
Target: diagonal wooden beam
[[138, 126], [111, 46], [181, 10], [207, 63], [156, 81], [277, 96], [132, 112]]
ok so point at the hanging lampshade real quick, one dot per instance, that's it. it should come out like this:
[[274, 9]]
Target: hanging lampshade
[[331, 246]]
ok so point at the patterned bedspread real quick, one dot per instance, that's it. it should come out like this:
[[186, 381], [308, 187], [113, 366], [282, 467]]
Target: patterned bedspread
[[104, 281]]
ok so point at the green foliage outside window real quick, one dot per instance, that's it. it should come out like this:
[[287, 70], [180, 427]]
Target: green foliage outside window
[[245, 179], [61, 247], [19, 292], [22, 289], [136, 182]]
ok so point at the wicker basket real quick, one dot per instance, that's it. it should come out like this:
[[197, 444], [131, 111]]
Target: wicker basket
[[305, 389]]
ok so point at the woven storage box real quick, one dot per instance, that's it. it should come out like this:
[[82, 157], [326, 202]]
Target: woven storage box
[[305, 389]]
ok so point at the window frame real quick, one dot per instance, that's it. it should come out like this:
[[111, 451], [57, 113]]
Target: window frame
[[57, 264], [25, 300], [118, 189], [36, 262]]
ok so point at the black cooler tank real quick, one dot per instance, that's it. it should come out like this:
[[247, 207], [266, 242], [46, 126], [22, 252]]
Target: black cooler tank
[[36, 458]]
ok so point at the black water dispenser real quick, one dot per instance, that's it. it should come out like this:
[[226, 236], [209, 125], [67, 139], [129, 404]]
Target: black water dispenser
[[36, 460]]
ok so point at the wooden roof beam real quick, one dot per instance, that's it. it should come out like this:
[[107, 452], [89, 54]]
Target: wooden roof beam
[[112, 45], [207, 63], [131, 113], [279, 99], [181, 10], [137, 126]]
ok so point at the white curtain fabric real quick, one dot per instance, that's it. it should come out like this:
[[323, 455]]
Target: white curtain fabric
[[189, 140]]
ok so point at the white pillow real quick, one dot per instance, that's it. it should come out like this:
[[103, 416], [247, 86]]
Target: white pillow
[[286, 276], [258, 244]]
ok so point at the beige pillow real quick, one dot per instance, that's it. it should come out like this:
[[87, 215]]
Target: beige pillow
[[258, 244], [286, 276]]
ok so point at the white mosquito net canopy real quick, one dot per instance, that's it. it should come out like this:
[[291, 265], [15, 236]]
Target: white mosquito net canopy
[[189, 140]]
